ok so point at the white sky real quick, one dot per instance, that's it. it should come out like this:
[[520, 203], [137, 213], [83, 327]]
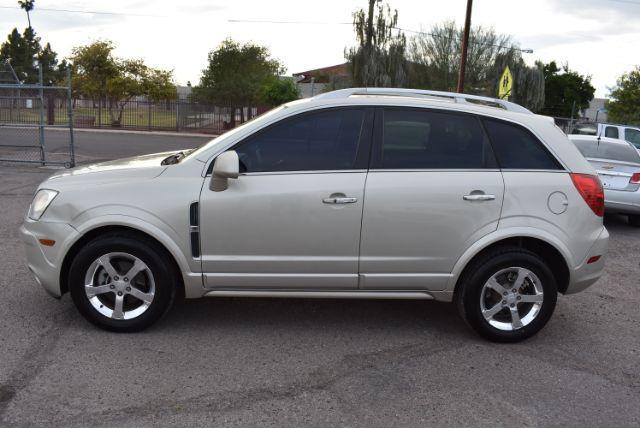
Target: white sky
[[596, 37]]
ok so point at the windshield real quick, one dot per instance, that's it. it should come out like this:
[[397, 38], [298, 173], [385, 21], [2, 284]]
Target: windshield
[[233, 131]]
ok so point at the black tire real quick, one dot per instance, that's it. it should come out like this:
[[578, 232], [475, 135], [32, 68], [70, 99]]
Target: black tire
[[469, 293], [634, 220], [149, 252]]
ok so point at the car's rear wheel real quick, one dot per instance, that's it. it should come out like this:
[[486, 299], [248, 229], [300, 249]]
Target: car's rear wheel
[[634, 220], [507, 295], [122, 283]]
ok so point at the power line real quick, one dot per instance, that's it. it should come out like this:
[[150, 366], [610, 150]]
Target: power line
[[91, 12], [266, 21], [259, 21], [626, 1]]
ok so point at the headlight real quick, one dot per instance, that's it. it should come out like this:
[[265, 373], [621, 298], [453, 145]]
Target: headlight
[[40, 203]]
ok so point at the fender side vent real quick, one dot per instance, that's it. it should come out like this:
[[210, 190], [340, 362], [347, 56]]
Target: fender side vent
[[194, 229], [194, 218]]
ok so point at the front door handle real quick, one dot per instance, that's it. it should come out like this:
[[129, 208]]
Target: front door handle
[[479, 197], [339, 200]]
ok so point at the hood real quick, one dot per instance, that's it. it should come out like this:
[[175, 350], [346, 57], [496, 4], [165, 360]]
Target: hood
[[137, 167]]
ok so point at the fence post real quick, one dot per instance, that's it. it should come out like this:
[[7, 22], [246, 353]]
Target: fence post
[[149, 113], [177, 115], [41, 127], [99, 112], [72, 152]]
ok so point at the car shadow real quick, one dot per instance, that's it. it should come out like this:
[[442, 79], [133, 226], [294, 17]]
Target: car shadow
[[339, 315], [617, 222]]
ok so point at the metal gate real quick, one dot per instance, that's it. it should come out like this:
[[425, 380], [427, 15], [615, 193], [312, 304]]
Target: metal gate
[[36, 121]]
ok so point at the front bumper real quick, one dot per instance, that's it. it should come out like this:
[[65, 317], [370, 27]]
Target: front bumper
[[45, 262], [588, 273]]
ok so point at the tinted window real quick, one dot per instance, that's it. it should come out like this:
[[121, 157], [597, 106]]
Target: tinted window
[[427, 139], [611, 132], [632, 136], [316, 141], [517, 148]]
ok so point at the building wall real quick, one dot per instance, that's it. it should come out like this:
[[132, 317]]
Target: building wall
[[308, 90], [595, 105]]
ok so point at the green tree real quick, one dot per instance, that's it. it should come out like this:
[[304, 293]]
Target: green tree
[[98, 74], [28, 6], [624, 105], [528, 81], [379, 58], [234, 75], [435, 61], [278, 91], [24, 52], [563, 88]]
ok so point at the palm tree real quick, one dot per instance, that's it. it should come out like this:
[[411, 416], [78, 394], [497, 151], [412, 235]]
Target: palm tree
[[27, 5]]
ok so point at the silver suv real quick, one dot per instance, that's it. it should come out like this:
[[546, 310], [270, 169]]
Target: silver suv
[[378, 193]]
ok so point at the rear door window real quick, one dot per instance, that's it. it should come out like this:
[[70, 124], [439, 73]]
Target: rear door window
[[427, 139], [517, 148], [611, 132]]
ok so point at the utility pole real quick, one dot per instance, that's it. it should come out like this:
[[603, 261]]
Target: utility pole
[[465, 43]]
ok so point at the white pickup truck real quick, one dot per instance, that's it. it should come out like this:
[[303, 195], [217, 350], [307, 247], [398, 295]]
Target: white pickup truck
[[609, 130]]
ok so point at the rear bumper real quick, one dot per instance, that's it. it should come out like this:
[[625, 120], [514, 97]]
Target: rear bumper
[[616, 201], [586, 273], [45, 262]]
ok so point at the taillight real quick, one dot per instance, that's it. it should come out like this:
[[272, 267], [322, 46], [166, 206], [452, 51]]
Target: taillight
[[635, 178], [590, 188]]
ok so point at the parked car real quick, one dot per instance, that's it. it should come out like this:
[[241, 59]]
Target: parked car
[[617, 162], [609, 130], [358, 193]]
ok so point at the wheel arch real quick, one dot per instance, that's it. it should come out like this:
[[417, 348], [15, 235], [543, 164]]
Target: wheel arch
[[95, 232], [555, 255]]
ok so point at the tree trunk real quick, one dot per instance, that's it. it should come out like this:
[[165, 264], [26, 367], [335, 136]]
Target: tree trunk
[[370, 23]]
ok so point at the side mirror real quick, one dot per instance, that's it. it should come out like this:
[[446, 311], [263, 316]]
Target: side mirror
[[226, 165]]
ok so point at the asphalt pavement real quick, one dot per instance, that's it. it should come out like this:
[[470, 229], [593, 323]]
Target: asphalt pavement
[[103, 145], [293, 362]]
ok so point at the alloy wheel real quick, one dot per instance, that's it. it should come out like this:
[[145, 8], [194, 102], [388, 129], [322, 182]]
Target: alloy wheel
[[511, 298], [119, 286]]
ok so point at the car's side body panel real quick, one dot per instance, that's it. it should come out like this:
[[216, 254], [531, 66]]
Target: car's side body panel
[[277, 231], [416, 223]]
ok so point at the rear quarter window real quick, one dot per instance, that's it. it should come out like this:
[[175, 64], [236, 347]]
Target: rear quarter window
[[517, 148]]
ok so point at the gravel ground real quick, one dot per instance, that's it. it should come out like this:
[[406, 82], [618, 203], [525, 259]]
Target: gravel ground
[[293, 362]]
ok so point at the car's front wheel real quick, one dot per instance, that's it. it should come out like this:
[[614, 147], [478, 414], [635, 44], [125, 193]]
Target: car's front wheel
[[508, 295], [122, 282], [634, 220]]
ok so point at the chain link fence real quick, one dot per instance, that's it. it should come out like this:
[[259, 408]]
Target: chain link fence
[[36, 124], [145, 115]]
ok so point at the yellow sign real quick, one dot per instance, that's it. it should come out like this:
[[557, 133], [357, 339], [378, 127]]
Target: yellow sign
[[506, 84]]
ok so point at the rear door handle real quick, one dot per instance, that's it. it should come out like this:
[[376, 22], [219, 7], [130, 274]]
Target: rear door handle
[[479, 197], [340, 200]]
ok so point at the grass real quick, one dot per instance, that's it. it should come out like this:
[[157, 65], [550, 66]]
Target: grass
[[138, 118]]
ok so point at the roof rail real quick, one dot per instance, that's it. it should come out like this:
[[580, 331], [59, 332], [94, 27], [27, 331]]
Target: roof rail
[[417, 93]]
